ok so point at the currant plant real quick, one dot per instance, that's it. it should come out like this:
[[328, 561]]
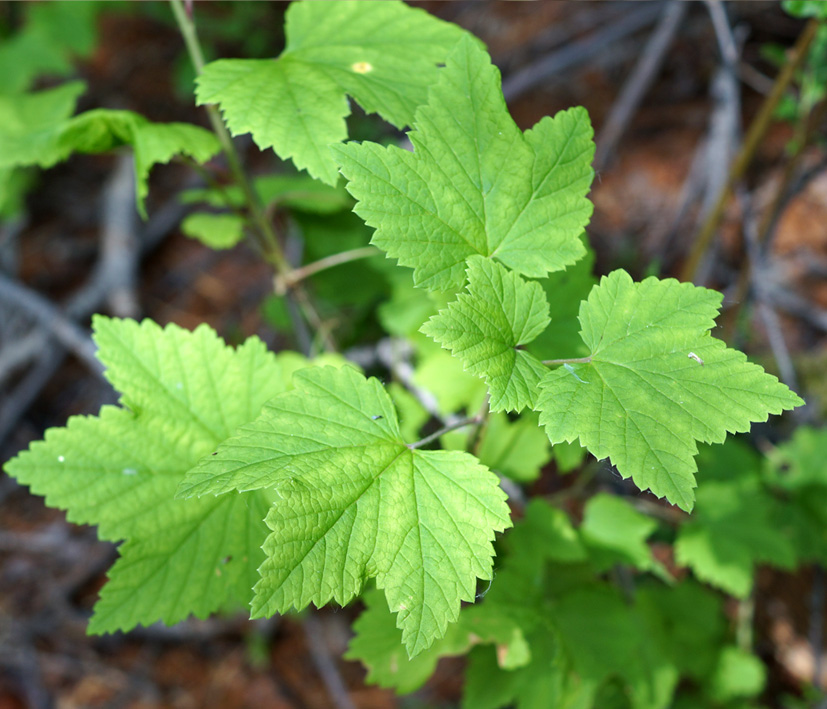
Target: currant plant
[[243, 478]]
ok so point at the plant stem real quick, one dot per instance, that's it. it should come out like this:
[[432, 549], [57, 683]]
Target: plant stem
[[264, 234], [755, 134], [445, 429], [285, 282], [578, 360], [476, 435], [744, 620]]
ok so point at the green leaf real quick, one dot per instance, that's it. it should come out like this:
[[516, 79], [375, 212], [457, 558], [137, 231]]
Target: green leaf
[[805, 8], [603, 636], [218, 231], [484, 327], [474, 183], [384, 55], [796, 471], [296, 192], [739, 674], [46, 142], [565, 290], [354, 502], [377, 643], [517, 449], [614, 532], [52, 36], [183, 393], [444, 377], [731, 531], [28, 123], [694, 624], [655, 383]]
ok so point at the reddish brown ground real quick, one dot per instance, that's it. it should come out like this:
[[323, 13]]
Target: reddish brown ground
[[50, 570]]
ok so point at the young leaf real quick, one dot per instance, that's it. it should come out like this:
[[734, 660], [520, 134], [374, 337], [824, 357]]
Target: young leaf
[[378, 644], [354, 502], [384, 55], [103, 129], [614, 532], [218, 231], [484, 326], [475, 184], [655, 382], [796, 468], [28, 122], [184, 392], [41, 140], [731, 531]]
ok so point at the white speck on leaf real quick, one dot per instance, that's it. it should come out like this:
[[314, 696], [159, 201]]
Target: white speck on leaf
[[692, 355], [362, 67], [60, 459], [129, 471]]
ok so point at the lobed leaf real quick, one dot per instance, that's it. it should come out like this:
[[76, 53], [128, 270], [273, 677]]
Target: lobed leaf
[[45, 136], [474, 184], [731, 532], [184, 393], [383, 55], [218, 231], [655, 382], [354, 502], [484, 327]]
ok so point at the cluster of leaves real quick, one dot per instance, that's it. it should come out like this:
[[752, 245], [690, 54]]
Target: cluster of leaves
[[243, 478], [797, 107]]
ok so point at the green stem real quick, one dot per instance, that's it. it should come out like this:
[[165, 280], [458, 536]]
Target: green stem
[[215, 185], [445, 429], [578, 360], [476, 435], [288, 280], [265, 233]]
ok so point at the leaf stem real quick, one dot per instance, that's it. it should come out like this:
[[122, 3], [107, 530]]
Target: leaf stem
[[470, 420], [288, 280], [577, 360]]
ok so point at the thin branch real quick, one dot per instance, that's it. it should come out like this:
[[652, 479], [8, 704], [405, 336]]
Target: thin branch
[[325, 664], [755, 135], [471, 420], [119, 241], [72, 337], [639, 81], [476, 435], [577, 52], [289, 280], [757, 270], [816, 630]]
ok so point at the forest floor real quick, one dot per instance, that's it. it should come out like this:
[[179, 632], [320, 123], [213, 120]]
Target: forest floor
[[656, 169]]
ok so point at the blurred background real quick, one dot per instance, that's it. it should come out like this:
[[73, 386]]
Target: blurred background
[[672, 89]]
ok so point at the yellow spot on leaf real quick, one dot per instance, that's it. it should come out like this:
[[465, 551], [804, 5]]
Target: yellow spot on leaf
[[362, 67]]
